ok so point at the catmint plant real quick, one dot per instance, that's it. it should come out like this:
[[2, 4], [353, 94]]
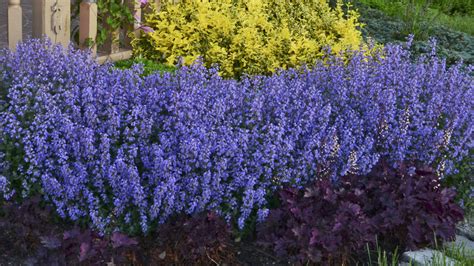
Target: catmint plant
[[117, 149]]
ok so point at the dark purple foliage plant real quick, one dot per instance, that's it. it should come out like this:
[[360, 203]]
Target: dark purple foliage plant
[[86, 246], [26, 232], [400, 207], [407, 205], [117, 150], [318, 224], [30, 235]]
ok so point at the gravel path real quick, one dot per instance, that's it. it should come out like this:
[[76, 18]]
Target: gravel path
[[27, 20]]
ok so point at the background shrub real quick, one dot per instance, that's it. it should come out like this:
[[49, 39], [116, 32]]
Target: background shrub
[[424, 18], [115, 149], [463, 7], [402, 207], [451, 43], [247, 36]]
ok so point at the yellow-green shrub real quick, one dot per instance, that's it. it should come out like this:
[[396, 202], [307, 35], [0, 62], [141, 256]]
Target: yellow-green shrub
[[247, 36]]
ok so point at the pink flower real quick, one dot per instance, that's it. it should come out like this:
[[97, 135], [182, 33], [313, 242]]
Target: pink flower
[[146, 29], [143, 3], [138, 19]]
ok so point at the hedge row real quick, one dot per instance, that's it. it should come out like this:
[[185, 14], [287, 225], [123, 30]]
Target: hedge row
[[119, 150]]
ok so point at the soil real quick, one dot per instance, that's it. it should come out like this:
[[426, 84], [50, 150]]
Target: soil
[[249, 254]]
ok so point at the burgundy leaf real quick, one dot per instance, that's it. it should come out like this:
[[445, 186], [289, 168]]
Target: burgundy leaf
[[314, 237], [84, 251]]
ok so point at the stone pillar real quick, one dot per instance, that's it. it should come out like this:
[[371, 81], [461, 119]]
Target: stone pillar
[[88, 25], [15, 25], [52, 18]]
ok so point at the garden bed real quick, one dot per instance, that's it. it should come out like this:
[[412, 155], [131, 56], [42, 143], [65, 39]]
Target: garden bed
[[350, 157], [222, 148]]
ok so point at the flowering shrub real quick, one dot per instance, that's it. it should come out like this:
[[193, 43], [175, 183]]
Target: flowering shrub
[[402, 207], [247, 36], [116, 149]]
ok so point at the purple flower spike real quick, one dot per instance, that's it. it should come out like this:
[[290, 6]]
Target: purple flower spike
[[119, 148]]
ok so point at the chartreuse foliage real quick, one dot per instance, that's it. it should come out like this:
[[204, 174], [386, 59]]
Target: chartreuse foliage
[[247, 36], [116, 149]]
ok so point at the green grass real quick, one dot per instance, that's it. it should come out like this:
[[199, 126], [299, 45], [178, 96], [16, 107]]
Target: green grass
[[461, 23], [461, 255], [419, 15], [149, 66], [453, 7], [384, 258], [391, 8]]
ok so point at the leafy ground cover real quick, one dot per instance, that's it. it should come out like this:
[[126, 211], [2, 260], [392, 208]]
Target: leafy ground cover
[[32, 234], [383, 28], [401, 208], [420, 15]]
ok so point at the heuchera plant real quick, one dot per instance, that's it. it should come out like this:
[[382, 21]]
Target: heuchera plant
[[114, 149], [21, 228], [29, 235], [402, 207], [407, 205], [319, 225]]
